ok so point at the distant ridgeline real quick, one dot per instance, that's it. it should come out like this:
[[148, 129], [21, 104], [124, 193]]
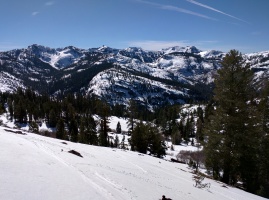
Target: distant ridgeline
[[175, 75]]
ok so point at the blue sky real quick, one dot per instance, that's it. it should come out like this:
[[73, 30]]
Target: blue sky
[[150, 24]]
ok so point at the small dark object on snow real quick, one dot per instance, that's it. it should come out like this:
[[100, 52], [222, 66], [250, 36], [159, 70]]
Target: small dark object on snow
[[64, 143], [17, 132], [177, 161], [75, 153], [164, 198]]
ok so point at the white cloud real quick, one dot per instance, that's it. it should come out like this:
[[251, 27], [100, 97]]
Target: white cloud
[[256, 33], [156, 45], [174, 8], [49, 3], [214, 9], [35, 13]]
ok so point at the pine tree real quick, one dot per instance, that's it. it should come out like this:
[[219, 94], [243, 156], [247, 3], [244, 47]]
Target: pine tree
[[132, 115], [146, 137], [20, 113], [73, 130], [116, 142], [263, 162], [10, 108], [122, 144], [104, 128], [232, 128], [176, 136], [91, 131], [60, 130], [188, 128], [83, 135], [199, 130], [156, 144], [200, 114], [118, 128], [138, 140], [52, 118], [2, 109], [33, 127]]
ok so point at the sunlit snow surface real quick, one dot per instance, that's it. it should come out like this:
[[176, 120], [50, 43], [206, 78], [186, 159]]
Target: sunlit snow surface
[[9, 83], [35, 167]]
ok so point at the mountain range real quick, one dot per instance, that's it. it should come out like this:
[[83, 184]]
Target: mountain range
[[152, 78]]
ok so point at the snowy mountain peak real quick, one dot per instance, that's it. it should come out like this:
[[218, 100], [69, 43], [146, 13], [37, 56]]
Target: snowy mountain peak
[[258, 54], [57, 58], [134, 49], [212, 54], [37, 50], [107, 50], [179, 49]]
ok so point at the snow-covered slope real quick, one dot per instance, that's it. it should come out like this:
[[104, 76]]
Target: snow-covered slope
[[124, 86], [259, 62], [62, 57], [260, 59], [57, 58], [35, 167], [9, 83]]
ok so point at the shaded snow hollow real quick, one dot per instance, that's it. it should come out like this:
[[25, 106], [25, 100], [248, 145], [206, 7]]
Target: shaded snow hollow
[[35, 167]]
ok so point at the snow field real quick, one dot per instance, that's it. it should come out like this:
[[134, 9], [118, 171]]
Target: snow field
[[35, 167]]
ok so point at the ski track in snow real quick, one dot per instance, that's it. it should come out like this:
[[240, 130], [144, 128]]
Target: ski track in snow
[[99, 187], [135, 165]]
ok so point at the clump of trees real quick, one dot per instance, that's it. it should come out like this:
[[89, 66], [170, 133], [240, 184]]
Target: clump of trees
[[71, 116], [146, 137], [181, 127]]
